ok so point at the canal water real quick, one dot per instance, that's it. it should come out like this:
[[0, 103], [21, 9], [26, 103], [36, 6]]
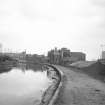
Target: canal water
[[22, 87]]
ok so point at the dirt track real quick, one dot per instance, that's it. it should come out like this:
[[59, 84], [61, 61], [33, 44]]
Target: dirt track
[[80, 89]]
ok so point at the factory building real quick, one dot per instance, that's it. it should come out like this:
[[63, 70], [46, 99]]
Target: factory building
[[64, 56]]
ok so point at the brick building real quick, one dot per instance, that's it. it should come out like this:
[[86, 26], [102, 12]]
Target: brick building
[[63, 56]]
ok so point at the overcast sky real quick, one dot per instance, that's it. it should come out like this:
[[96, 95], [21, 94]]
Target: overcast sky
[[40, 25]]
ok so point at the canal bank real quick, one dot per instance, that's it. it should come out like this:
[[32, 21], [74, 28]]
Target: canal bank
[[51, 94], [80, 89]]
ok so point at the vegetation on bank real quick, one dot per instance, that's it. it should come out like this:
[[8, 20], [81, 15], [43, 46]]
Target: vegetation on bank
[[4, 58], [6, 63], [27, 62], [95, 69]]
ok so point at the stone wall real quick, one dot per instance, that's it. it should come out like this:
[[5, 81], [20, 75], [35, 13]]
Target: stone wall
[[50, 95]]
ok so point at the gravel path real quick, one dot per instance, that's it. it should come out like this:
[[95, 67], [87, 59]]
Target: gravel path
[[80, 89]]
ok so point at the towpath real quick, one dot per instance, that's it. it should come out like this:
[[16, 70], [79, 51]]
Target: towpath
[[80, 89]]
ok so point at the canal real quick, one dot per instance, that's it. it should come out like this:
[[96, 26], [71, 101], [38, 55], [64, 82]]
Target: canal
[[22, 87]]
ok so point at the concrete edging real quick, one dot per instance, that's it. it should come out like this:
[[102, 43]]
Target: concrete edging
[[51, 94], [55, 96]]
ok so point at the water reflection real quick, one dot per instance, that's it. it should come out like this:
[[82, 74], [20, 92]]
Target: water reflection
[[22, 66], [22, 88], [5, 68], [28, 66]]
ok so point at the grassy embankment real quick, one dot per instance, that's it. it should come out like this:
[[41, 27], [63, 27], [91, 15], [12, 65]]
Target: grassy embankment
[[82, 87], [6, 63]]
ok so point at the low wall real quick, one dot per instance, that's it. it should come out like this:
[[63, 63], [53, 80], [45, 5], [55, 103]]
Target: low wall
[[51, 94]]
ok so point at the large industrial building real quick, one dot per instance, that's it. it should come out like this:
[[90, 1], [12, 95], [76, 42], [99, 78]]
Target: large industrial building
[[64, 56]]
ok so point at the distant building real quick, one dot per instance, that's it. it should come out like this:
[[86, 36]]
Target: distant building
[[35, 58], [102, 59], [18, 56], [0, 48], [77, 56], [103, 54], [65, 52], [63, 56], [54, 56]]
